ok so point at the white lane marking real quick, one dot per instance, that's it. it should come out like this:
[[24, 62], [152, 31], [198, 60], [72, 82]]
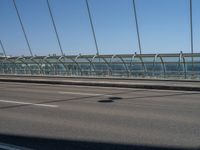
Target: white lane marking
[[25, 103], [45, 105], [88, 94]]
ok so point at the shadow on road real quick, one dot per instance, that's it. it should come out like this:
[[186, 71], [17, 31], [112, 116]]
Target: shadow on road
[[40, 143], [110, 99]]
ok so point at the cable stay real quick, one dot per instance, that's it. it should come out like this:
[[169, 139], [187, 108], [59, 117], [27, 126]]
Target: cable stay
[[191, 28], [92, 26], [191, 33], [23, 29], [2, 47], [137, 27], [54, 26]]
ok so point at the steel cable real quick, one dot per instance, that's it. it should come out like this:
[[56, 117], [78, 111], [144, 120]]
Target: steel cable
[[55, 28], [22, 26], [137, 27], [92, 26], [191, 34], [3, 48]]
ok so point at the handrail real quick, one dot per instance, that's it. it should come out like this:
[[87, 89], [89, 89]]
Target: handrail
[[10, 65]]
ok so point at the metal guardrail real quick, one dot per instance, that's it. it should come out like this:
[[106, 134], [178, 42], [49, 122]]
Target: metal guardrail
[[181, 66]]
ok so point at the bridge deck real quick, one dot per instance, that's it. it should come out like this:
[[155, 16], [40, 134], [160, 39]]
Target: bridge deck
[[79, 117]]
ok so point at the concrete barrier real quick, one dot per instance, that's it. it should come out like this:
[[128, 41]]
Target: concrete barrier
[[152, 84]]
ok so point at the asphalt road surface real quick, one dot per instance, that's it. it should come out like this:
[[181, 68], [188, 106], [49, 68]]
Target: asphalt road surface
[[40, 116]]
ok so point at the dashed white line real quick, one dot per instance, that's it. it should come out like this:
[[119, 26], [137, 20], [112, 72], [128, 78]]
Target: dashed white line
[[88, 94], [25, 103]]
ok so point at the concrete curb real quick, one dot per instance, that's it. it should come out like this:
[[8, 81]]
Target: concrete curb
[[105, 78], [103, 84]]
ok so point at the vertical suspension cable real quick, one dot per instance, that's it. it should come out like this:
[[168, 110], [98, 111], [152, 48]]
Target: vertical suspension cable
[[137, 27], [54, 26], [3, 48], [191, 34], [92, 26], [22, 26]]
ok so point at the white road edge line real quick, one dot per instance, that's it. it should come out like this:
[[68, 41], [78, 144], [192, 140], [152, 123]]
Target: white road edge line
[[88, 94], [25, 103]]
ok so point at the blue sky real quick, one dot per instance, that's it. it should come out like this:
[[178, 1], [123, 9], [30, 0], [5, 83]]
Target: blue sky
[[164, 26]]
